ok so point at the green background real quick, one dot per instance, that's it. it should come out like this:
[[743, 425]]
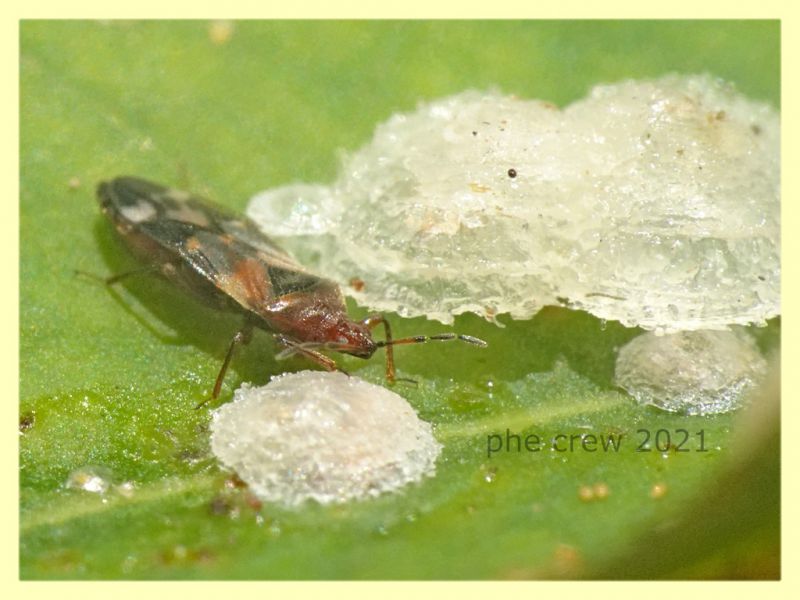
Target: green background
[[109, 379]]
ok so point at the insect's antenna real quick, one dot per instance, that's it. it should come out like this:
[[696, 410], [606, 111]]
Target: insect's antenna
[[389, 343], [439, 337]]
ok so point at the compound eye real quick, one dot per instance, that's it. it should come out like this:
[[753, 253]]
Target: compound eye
[[343, 341]]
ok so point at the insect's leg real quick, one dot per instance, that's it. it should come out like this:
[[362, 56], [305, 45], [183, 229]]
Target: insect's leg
[[373, 321], [109, 282], [243, 336], [324, 361], [119, 276], [124, 275]]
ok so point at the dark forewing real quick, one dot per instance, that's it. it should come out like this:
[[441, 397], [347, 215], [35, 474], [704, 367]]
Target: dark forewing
[[226, 249]]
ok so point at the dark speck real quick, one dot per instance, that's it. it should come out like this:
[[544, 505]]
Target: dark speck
[[219, 506], [512, 173], [474, 133], [27, 421], [762, 278]]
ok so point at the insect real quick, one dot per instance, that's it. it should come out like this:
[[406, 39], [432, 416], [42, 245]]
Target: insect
[[224, 260]]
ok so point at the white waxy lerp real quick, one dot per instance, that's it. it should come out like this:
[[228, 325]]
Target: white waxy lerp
[[655, 203], [691, 372], [322, 436]]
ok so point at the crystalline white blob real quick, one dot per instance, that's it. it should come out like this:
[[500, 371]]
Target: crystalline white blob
[[322, 436], [691, 372], [654, 203], [96, 480]]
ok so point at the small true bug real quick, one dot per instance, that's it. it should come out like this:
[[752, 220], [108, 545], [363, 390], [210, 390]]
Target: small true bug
[[224, 259]]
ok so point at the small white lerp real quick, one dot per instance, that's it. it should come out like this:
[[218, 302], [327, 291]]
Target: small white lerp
[[322, 436], [691, 372]]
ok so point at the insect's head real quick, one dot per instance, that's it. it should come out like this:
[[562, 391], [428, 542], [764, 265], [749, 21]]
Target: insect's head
[[353, 338]]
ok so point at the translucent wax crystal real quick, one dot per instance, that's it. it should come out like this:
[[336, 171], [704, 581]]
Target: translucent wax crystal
[[654, 203]]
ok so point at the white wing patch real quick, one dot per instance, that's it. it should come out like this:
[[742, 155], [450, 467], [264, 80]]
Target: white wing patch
[[140, 212]]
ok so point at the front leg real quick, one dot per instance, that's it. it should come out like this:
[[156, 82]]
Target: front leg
[[370, 323], [296, 347]]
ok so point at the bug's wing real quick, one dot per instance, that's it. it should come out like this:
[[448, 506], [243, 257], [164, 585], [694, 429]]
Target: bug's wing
[[220, 247]]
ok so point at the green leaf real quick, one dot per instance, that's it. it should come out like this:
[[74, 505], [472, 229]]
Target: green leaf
[[109, 379]]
